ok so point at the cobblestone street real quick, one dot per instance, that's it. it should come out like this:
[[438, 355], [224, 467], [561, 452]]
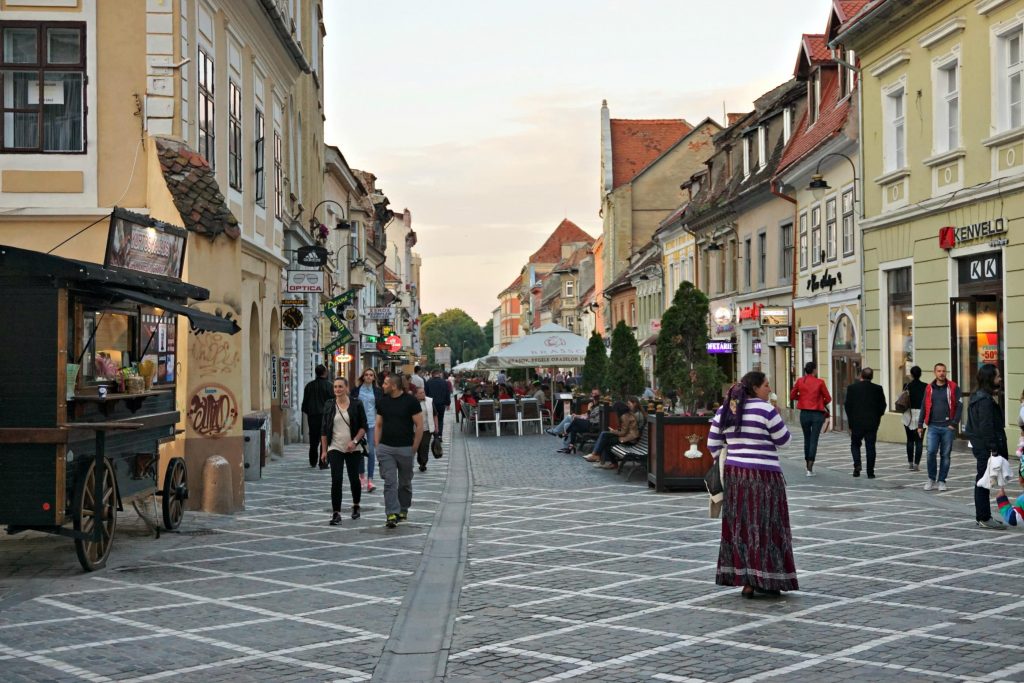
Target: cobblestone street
[[572, 573]]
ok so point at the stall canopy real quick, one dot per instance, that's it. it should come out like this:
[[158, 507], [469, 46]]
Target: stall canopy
[[468, 366], [548, 346], [117, 283]]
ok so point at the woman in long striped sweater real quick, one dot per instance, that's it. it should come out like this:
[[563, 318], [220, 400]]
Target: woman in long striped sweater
[[756, 551]]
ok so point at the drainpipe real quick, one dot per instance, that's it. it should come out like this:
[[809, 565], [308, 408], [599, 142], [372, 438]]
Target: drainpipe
[[796, 246]]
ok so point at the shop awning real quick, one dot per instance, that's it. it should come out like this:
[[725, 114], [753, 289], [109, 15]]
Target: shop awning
[[200, 321]]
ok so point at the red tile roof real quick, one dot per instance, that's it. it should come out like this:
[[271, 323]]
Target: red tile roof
[[815, 46], [194, 189], [551, 250], [638, 142], [832, 119], [848, 9], [515, 286], [390, 275]]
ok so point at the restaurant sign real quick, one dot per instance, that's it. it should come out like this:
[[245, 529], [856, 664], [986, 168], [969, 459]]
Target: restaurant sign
[[719, 347], [145, 245]]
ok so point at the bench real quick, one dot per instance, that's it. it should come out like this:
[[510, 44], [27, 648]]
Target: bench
[[635, 453]]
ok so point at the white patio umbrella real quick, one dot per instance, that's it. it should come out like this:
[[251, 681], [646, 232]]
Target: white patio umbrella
[[468, 366], [549, 346]]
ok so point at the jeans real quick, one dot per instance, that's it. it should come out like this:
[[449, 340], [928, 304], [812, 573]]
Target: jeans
[[560, 428], [340, 462], [856, 436], [915, 444], [316, 423], [939, 437], [982, 505], [603, 445], [811, 422], [396, 470]]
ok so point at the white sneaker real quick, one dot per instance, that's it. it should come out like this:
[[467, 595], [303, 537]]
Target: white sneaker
[[992, 523], [929, 485], [942, 486], [810, 474]]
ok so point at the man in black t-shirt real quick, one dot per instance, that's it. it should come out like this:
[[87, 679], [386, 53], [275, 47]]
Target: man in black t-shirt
[[397, 436]]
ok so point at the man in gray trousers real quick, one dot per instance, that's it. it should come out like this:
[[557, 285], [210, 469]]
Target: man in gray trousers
[[397, 436]]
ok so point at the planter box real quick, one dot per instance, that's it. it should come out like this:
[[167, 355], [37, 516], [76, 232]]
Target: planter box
[[667, 467]]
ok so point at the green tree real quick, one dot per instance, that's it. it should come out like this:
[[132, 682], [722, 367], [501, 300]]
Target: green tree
[[595, 365], [488, 330], [455, 329], [682, 362], [625, 375]]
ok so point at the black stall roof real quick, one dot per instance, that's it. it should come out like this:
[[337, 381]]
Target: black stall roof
[[117, 283]]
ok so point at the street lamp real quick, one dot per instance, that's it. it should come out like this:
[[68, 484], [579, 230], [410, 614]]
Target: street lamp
[[819, 186]]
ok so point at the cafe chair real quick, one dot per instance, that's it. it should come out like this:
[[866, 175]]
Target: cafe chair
[[531, 413], [507, 412], [486, 415]]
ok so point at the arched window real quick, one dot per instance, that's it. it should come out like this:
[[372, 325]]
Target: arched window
[[845, 338]]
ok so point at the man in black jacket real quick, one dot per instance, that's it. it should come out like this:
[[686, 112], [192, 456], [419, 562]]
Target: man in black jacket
[[865, 405], [438, 389], [315, 396]]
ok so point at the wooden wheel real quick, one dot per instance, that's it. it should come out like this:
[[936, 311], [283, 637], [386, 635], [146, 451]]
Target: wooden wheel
[[174, 494], [88, 512]]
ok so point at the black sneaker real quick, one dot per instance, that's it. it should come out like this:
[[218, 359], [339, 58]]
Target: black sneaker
[[336, 519], [392, 521], [355, 512], [423, 468], [403, 515]]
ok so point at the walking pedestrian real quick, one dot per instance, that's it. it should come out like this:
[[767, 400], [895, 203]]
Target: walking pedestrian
[[344, 426], [985, 424], [940, 417], [865, 405], [430, 427], [315, 397], [756, 549], [437, 389], [812, 399], [415, 379], [915, 389], [369, 393], [398, 433]]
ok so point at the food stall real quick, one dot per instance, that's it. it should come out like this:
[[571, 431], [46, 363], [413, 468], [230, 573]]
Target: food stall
[[88, 373]]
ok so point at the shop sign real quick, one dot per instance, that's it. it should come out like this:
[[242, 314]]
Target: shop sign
[[826, 281], [141, 244], [293, 302], [981, 268], [340, 357], [781, 335], [312, 256], [719, 347], [757, 347], [292, 318], [341, 299], [748, 313], [368, 347], [722, 316], [774, 317], [273, 378], [951, 236], [286, 382], [344, 337], [305, 281], [393, 343], [379, 313]]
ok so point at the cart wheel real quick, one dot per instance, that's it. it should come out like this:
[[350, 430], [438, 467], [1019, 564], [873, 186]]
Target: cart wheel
[[87, 510], [174, 494]]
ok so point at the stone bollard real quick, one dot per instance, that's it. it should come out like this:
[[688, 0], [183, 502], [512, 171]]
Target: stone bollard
[[217, 496]]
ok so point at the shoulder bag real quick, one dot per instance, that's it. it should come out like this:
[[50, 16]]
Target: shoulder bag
[[714, 480], [903, 402]]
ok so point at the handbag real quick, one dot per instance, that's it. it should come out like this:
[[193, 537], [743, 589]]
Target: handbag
[[714, 480], [436, 448], [903, 402]]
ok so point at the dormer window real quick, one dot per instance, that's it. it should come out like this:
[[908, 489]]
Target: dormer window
[[762, 146], [787, 124], [813, 96], [746, 156]]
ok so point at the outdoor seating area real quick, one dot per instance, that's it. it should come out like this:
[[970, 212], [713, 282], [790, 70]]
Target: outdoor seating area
[[505, 416]]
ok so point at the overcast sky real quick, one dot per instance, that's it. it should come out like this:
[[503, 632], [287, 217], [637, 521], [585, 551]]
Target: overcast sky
[[483, 117]]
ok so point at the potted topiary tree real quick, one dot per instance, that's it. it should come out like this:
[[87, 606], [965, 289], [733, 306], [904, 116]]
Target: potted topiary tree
[[595, 364], [678, 455], [625, 373]]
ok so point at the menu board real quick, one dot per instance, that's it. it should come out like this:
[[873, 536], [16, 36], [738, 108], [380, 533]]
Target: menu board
[[139, 243]]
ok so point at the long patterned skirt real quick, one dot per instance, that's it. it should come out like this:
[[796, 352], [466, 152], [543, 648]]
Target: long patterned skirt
[[757, 545]]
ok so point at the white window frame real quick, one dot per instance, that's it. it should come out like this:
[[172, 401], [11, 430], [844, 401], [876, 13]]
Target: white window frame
[[803, 244], [762, 147], [850, 214], [946, 133], [883, 314], [813, 98], [746, 156], [787, 124], [1006, 118], [569, 288], [832, 228], [894, 126], [851, 75], [815, 232]]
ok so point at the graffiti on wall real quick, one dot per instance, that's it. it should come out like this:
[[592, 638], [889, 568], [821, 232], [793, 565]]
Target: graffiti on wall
[[212, 410], [213, 354]]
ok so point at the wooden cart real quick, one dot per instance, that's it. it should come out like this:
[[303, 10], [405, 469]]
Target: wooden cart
[[74, 447]]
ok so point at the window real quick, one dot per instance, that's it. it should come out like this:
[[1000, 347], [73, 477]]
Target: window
[[762, 147], [947, 107], [762, 257], [803, 241], [851, 76], [831, 246], [721, 269], [207, 130], [569, 288], [786, 266], [42, 77], [787, 124], [747, 265], [278, 177], [901, 328], [1011, 67], [632, 314], [894, 138], [813, 96], [816, 235], [746, 156], [234, 136], [848, 236], [259, 152]]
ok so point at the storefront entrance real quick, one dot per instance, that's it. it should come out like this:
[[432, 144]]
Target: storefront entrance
[[846, 364], [976, 319]]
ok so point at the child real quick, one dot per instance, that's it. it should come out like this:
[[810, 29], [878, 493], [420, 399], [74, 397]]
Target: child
[[1013, 513]]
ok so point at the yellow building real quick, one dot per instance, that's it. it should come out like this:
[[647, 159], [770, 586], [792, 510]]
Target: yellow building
[[943, 169]]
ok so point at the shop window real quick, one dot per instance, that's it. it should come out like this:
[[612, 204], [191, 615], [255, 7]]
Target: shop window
[[831, 236], [848, 235], [900, 328], [42, 78], [207, 115], [803, 241], [109, 344], [816, 253], [234, 136]]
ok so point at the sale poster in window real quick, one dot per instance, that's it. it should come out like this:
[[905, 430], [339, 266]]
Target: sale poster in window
[[988, 348]]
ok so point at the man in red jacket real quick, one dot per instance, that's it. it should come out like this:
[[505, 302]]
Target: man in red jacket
[[812, 397], [940, 416]]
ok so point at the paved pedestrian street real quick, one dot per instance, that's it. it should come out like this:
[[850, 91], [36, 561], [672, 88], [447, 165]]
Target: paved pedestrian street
[[570, 573]]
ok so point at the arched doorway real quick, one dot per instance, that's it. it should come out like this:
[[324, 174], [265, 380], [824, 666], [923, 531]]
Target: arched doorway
[[254, 358], [846, 363]]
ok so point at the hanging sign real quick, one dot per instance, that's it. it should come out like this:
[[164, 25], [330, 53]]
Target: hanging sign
[[293, 302], [340, 357], [305, 281], [379, 313], [145, 245], [750, 313], [343, 338], [292, 318], [393, 343], [340, 300], [774, 317], [273, 378], [314, 256], [286, 382]]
